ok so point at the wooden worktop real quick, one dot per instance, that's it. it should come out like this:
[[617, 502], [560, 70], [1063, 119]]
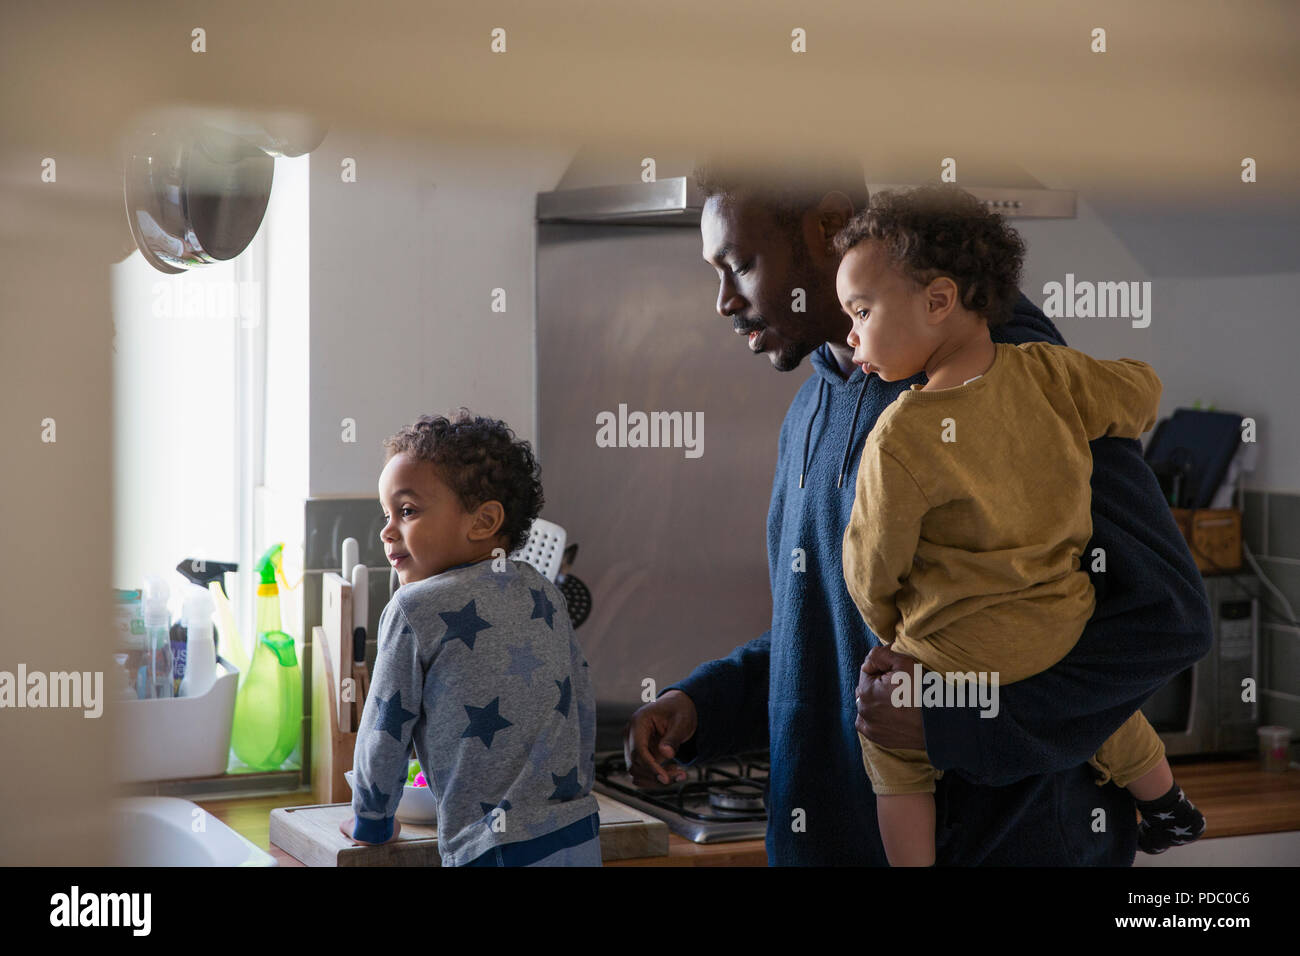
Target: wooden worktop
[[1236, 797]]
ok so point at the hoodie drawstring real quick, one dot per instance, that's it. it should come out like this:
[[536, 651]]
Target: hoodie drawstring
[[848, 447], [807, 435]]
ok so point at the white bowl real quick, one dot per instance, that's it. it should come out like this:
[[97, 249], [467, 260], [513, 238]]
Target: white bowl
[[416, 806]]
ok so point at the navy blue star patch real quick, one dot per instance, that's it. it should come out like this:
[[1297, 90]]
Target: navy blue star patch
[[566, 787], [566, 693], [489, 807], [391, 715], [484, 722], [523, 662], [543, 608], [463, 625]]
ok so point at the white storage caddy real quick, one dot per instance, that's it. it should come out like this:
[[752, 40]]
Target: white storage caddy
[[178, 736]]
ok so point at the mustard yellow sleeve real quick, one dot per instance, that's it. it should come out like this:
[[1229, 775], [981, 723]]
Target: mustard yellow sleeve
[[880, 540], [1118, 398]]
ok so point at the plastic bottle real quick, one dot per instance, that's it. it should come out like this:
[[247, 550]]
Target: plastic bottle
[[124, 690], [268, 707], [200, 651], [157, 639], [268, 591], [176, 636]]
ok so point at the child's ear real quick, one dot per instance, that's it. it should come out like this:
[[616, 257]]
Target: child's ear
[[488, 519], [941, 296]]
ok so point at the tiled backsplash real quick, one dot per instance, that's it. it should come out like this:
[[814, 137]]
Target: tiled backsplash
[[1271, 528]]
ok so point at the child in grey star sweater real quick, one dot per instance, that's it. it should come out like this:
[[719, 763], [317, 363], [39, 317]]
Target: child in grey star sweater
[[477, 662]]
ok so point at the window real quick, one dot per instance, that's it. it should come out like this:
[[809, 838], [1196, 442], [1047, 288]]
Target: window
[[190, 369]]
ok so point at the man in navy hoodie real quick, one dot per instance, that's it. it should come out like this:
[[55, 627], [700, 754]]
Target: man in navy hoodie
[[1018, 789]]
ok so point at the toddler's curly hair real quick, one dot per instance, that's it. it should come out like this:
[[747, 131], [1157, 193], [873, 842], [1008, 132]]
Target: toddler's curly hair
[[942, 230], [480, 460]]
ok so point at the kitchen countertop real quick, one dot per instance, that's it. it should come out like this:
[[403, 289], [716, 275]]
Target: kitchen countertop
[[1236, 797]]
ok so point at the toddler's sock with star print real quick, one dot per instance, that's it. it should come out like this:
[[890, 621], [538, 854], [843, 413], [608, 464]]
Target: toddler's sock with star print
[[1171, 820]]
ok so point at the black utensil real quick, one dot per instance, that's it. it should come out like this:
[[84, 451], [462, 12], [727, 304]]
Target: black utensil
[[577, 598]]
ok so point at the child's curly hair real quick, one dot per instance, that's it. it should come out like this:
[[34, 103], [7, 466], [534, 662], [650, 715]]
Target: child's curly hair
[[941, 230], [480, 460]]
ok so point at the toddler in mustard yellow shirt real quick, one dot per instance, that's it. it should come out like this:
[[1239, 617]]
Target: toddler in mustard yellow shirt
[[973, 502]]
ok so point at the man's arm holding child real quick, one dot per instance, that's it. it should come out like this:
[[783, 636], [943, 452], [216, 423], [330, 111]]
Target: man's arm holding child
[[380, 761]]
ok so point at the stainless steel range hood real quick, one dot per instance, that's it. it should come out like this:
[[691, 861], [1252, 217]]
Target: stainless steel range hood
[[677, 202]]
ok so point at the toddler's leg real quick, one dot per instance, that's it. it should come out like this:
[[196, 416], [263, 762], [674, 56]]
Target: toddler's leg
[[907, 828], [905, 810], [1135, 757], [1168, 817]]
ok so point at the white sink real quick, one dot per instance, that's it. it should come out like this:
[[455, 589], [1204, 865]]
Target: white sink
[[166, 831], [1261, 849]]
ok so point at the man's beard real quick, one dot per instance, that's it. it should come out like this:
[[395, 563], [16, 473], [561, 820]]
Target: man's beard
[[791, 354]]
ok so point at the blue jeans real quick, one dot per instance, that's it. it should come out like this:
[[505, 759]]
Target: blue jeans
[[578, 844]]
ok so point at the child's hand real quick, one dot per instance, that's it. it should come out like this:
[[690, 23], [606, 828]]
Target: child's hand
[[346, 825]]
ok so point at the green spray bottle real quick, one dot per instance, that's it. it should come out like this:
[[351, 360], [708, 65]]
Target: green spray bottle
[[268, 591], [268, 706]]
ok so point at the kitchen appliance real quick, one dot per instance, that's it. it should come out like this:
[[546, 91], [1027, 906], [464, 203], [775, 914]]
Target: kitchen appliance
[[1201, 710], [719, 801]]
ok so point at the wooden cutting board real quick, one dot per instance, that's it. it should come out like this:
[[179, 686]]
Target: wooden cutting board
[[311, 834]]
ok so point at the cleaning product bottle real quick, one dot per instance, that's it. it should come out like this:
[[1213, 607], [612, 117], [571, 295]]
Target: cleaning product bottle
[[205, 572], [268, 591], [268, 707], [233, 644], [200, 654], [176, 637], [157, 639]]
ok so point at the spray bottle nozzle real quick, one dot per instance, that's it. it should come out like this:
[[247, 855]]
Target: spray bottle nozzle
[[267, 567]]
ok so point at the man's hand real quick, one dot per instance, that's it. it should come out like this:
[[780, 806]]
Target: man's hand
[[879, 720], [346, 825], [652, 737]]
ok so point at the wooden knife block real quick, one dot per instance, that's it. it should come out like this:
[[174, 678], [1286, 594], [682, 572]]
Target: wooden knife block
[[331, 663]]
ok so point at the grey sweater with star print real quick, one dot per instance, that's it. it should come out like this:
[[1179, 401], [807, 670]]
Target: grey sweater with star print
[[480, 669]]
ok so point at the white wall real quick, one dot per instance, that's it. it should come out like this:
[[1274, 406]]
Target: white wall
[[1227, 340], [403, 262]]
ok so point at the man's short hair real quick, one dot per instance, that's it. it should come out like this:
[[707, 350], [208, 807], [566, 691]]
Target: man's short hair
[[786, 189]]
